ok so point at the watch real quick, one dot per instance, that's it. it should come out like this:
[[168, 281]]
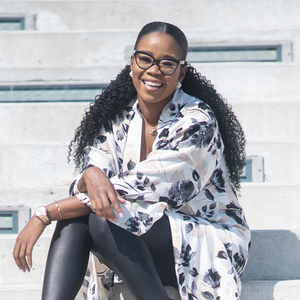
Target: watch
[[41, 213]]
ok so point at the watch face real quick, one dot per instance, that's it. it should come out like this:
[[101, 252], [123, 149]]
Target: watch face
[[41, 211]]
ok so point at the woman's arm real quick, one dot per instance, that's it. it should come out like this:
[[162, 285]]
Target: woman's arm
[[102, 193], [70, 208]]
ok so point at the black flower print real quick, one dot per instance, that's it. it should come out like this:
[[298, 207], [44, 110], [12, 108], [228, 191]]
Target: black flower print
[[164, 133], [236, 213], [196, 176], [212, 278], [218, 181], [228, 248], [107, 279], [172, 107], [240, 260], [118, 147], [125, 127], [179, 193], [208, 194], [181, 278], [207, 211], [187, 255], [199, 135], [207, 295], [193, 272], [120, 163], [146, 180], [133, 224], [152, 186], [120, 135], [122, 192], [71, 189], [131, 165], [222, 254], [188, 228], [99, 140], [139, 175]]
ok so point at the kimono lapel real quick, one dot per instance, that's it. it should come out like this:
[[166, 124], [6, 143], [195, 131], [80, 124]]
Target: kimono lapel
[[132, 149]]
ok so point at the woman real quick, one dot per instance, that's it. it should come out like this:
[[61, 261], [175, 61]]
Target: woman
[[161, 174]]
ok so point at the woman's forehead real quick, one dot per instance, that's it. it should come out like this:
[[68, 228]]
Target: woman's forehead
[[160, 43]]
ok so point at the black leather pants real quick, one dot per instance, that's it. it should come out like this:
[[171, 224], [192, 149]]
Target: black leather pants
[[145, 263]]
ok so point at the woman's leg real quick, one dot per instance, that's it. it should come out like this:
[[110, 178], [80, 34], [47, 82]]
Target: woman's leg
[[67, 259], [159, 242], [129, 256]]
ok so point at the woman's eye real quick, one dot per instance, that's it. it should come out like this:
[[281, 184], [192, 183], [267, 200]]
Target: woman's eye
[[145, 59], [167, 63]]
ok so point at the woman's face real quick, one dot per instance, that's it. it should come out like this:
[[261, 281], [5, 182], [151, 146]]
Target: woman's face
[[151, 85]]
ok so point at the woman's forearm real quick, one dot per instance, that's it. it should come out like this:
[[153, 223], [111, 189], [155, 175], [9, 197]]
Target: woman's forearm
[[70, 208]]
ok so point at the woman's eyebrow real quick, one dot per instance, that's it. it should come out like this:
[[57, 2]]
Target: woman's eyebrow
[[167, 56]]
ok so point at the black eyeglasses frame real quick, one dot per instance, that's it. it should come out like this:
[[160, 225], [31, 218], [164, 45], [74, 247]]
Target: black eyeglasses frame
[[157, 61]]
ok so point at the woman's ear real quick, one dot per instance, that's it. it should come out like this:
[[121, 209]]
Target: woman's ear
[[131, 61], [183, 71]]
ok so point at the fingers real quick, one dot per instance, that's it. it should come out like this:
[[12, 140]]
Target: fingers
[[21, 251], [103, 205], [115, 199]]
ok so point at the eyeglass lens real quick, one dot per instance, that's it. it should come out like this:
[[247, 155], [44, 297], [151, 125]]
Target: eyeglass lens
[[145, 61]]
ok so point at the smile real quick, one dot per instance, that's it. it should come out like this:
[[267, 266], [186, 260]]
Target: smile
[[152, 84]]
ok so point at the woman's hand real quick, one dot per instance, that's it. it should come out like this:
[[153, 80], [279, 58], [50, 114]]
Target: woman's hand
[[102, 193], [25, 241]]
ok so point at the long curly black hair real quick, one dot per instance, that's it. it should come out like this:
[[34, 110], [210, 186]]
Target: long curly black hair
[[121, 92]]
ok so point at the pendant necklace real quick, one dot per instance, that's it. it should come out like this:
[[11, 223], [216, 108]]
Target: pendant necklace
[[152, 131]]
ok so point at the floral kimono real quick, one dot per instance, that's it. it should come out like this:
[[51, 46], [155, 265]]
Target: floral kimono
[[184, 177]]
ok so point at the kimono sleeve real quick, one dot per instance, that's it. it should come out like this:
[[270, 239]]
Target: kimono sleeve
[[103, 154], [184, 158]]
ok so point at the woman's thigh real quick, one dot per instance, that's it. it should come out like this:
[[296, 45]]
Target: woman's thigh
[[67, 259]]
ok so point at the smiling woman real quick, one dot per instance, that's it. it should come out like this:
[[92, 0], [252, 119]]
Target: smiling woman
[[160, 154]]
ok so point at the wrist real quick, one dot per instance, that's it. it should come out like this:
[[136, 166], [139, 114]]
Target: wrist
[[41, 213]]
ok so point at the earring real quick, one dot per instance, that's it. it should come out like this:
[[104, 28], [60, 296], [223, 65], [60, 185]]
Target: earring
[[178, 85], [130, 73]]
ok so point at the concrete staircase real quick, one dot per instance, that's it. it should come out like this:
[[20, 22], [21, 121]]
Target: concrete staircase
[[87, 42]]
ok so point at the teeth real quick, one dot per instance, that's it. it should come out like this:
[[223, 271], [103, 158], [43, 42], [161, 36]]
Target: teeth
[[150, 83]]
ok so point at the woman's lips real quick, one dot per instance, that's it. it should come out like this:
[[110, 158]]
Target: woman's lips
[[152, 85]]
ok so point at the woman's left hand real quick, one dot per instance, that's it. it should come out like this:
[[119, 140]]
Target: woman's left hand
[[27, 238]]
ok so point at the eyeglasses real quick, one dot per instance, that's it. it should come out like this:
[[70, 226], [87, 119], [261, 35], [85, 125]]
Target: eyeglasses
[[166, 65]]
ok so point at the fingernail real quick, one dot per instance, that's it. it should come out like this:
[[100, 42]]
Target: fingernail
[[121, 215]]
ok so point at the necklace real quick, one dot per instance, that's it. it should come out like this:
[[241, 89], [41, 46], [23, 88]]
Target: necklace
[[152, 131]]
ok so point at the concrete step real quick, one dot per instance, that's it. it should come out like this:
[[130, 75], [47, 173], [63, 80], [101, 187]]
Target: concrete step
[[277, 169], [89, 48], [238, 82], [37, 165], [252, 290], [58, 15], [271, 206], [272, 257], [272, 271], [268, 206], [45, 164], [67, 116], [264, 121]]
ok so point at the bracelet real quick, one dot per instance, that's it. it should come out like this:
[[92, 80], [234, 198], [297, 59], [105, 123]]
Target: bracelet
[[59, 211]]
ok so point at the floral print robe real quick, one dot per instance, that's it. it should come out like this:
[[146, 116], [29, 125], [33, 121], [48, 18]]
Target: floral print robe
[[184, 177]]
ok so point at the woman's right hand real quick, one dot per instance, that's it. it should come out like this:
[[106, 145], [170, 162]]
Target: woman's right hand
[[27, 238], [102, 193]]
